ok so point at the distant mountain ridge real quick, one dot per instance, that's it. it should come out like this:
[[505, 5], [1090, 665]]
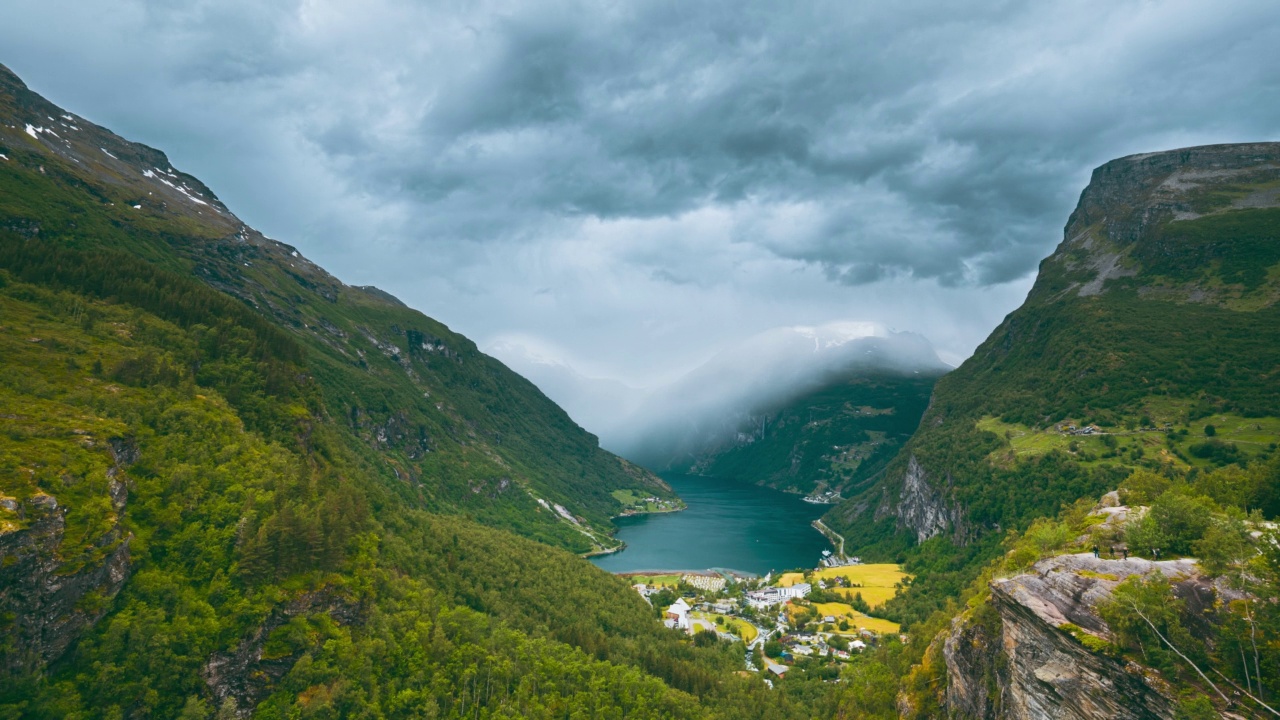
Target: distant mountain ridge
[[711, 405]]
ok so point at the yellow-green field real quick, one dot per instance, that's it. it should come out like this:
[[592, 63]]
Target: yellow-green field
[[1126, 445], [737, 626], [878, 580], [857, 620], [654, 580], [789, 579]]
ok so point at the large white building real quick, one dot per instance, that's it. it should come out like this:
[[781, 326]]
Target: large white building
[[774, 595], [678, 615]]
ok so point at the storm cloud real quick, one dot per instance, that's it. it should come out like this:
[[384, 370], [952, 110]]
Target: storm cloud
[[636, 185]]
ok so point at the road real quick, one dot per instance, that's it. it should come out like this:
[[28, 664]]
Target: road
[[822, 528]]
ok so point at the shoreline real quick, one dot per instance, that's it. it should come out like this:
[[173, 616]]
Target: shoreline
[[705, 572], [604, 551], [633, 513], [827, 533]]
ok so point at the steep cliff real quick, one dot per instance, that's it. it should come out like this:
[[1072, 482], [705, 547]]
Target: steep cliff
[[1155, 317], [420, 400], [1048, 653]]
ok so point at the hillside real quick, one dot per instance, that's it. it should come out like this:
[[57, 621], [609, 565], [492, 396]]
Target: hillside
[[835, 439], [1088, 506], [773, 408], [421, 401], [231, 485], [1151, 339]]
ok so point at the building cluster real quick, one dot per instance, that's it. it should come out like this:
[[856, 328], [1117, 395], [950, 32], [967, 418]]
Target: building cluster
[[1072, 429], [808, 644], [677, 616], [767, 597], [827, 498], [708, 583]]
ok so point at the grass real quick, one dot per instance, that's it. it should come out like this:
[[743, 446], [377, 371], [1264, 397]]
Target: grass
[[1169, 439], [857, 620], [737, 626], [789, 579], [653, 580], [878, 581]]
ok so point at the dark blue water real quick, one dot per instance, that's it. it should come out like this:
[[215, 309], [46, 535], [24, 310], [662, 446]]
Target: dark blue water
[[729, 524]]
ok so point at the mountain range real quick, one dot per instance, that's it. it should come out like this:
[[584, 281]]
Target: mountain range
[[233, 486]]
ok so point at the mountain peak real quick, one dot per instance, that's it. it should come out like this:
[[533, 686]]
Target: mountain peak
[[32, 128], [1193, 224]]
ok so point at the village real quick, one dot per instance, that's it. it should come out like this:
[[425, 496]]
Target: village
[[814, 619]]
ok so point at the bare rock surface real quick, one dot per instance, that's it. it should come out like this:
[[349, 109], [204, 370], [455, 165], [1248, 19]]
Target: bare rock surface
[[51, 605], [1031, 663]]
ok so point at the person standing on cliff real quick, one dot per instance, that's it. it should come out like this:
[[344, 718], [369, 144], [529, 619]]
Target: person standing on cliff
[[1095, 551]]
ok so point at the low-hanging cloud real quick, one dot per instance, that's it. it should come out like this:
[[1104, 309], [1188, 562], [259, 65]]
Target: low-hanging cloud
[[644, 182]]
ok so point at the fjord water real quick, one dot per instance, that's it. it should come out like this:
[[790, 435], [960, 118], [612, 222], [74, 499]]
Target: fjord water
[[728, 525]]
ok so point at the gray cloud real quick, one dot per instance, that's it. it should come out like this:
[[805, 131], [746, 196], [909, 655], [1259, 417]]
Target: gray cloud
[[643, 183]]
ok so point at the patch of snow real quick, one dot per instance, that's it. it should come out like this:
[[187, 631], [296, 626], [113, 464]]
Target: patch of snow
[[6, 157], [33, 131], [113, 157], [137, 207], [148, 174], [294, 253], [67, 117], [191, 195]]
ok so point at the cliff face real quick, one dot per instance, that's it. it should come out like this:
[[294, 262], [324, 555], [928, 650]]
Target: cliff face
[[45, 605], [1026, 658], [921, 509]]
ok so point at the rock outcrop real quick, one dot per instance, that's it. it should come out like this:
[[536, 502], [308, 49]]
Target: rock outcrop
[[922, 508], [247, 674], [45, 606], [1025, 654]]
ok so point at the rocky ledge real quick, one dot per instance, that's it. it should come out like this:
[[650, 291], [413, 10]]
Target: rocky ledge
[[1028, 655]]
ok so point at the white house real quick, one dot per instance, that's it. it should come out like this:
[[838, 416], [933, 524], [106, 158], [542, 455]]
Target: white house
[[678, 615]]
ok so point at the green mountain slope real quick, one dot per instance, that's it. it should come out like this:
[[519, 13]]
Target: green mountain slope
[[231, 485], [835, 439], [1151, 339], [421, 399]]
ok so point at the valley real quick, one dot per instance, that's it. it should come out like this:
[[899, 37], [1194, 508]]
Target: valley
[[232, 485]]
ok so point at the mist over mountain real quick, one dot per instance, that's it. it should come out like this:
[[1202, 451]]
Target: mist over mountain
[[600, 405], [666, 426]]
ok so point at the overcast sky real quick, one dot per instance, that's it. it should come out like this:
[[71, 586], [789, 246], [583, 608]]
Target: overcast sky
[[630, 186]]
